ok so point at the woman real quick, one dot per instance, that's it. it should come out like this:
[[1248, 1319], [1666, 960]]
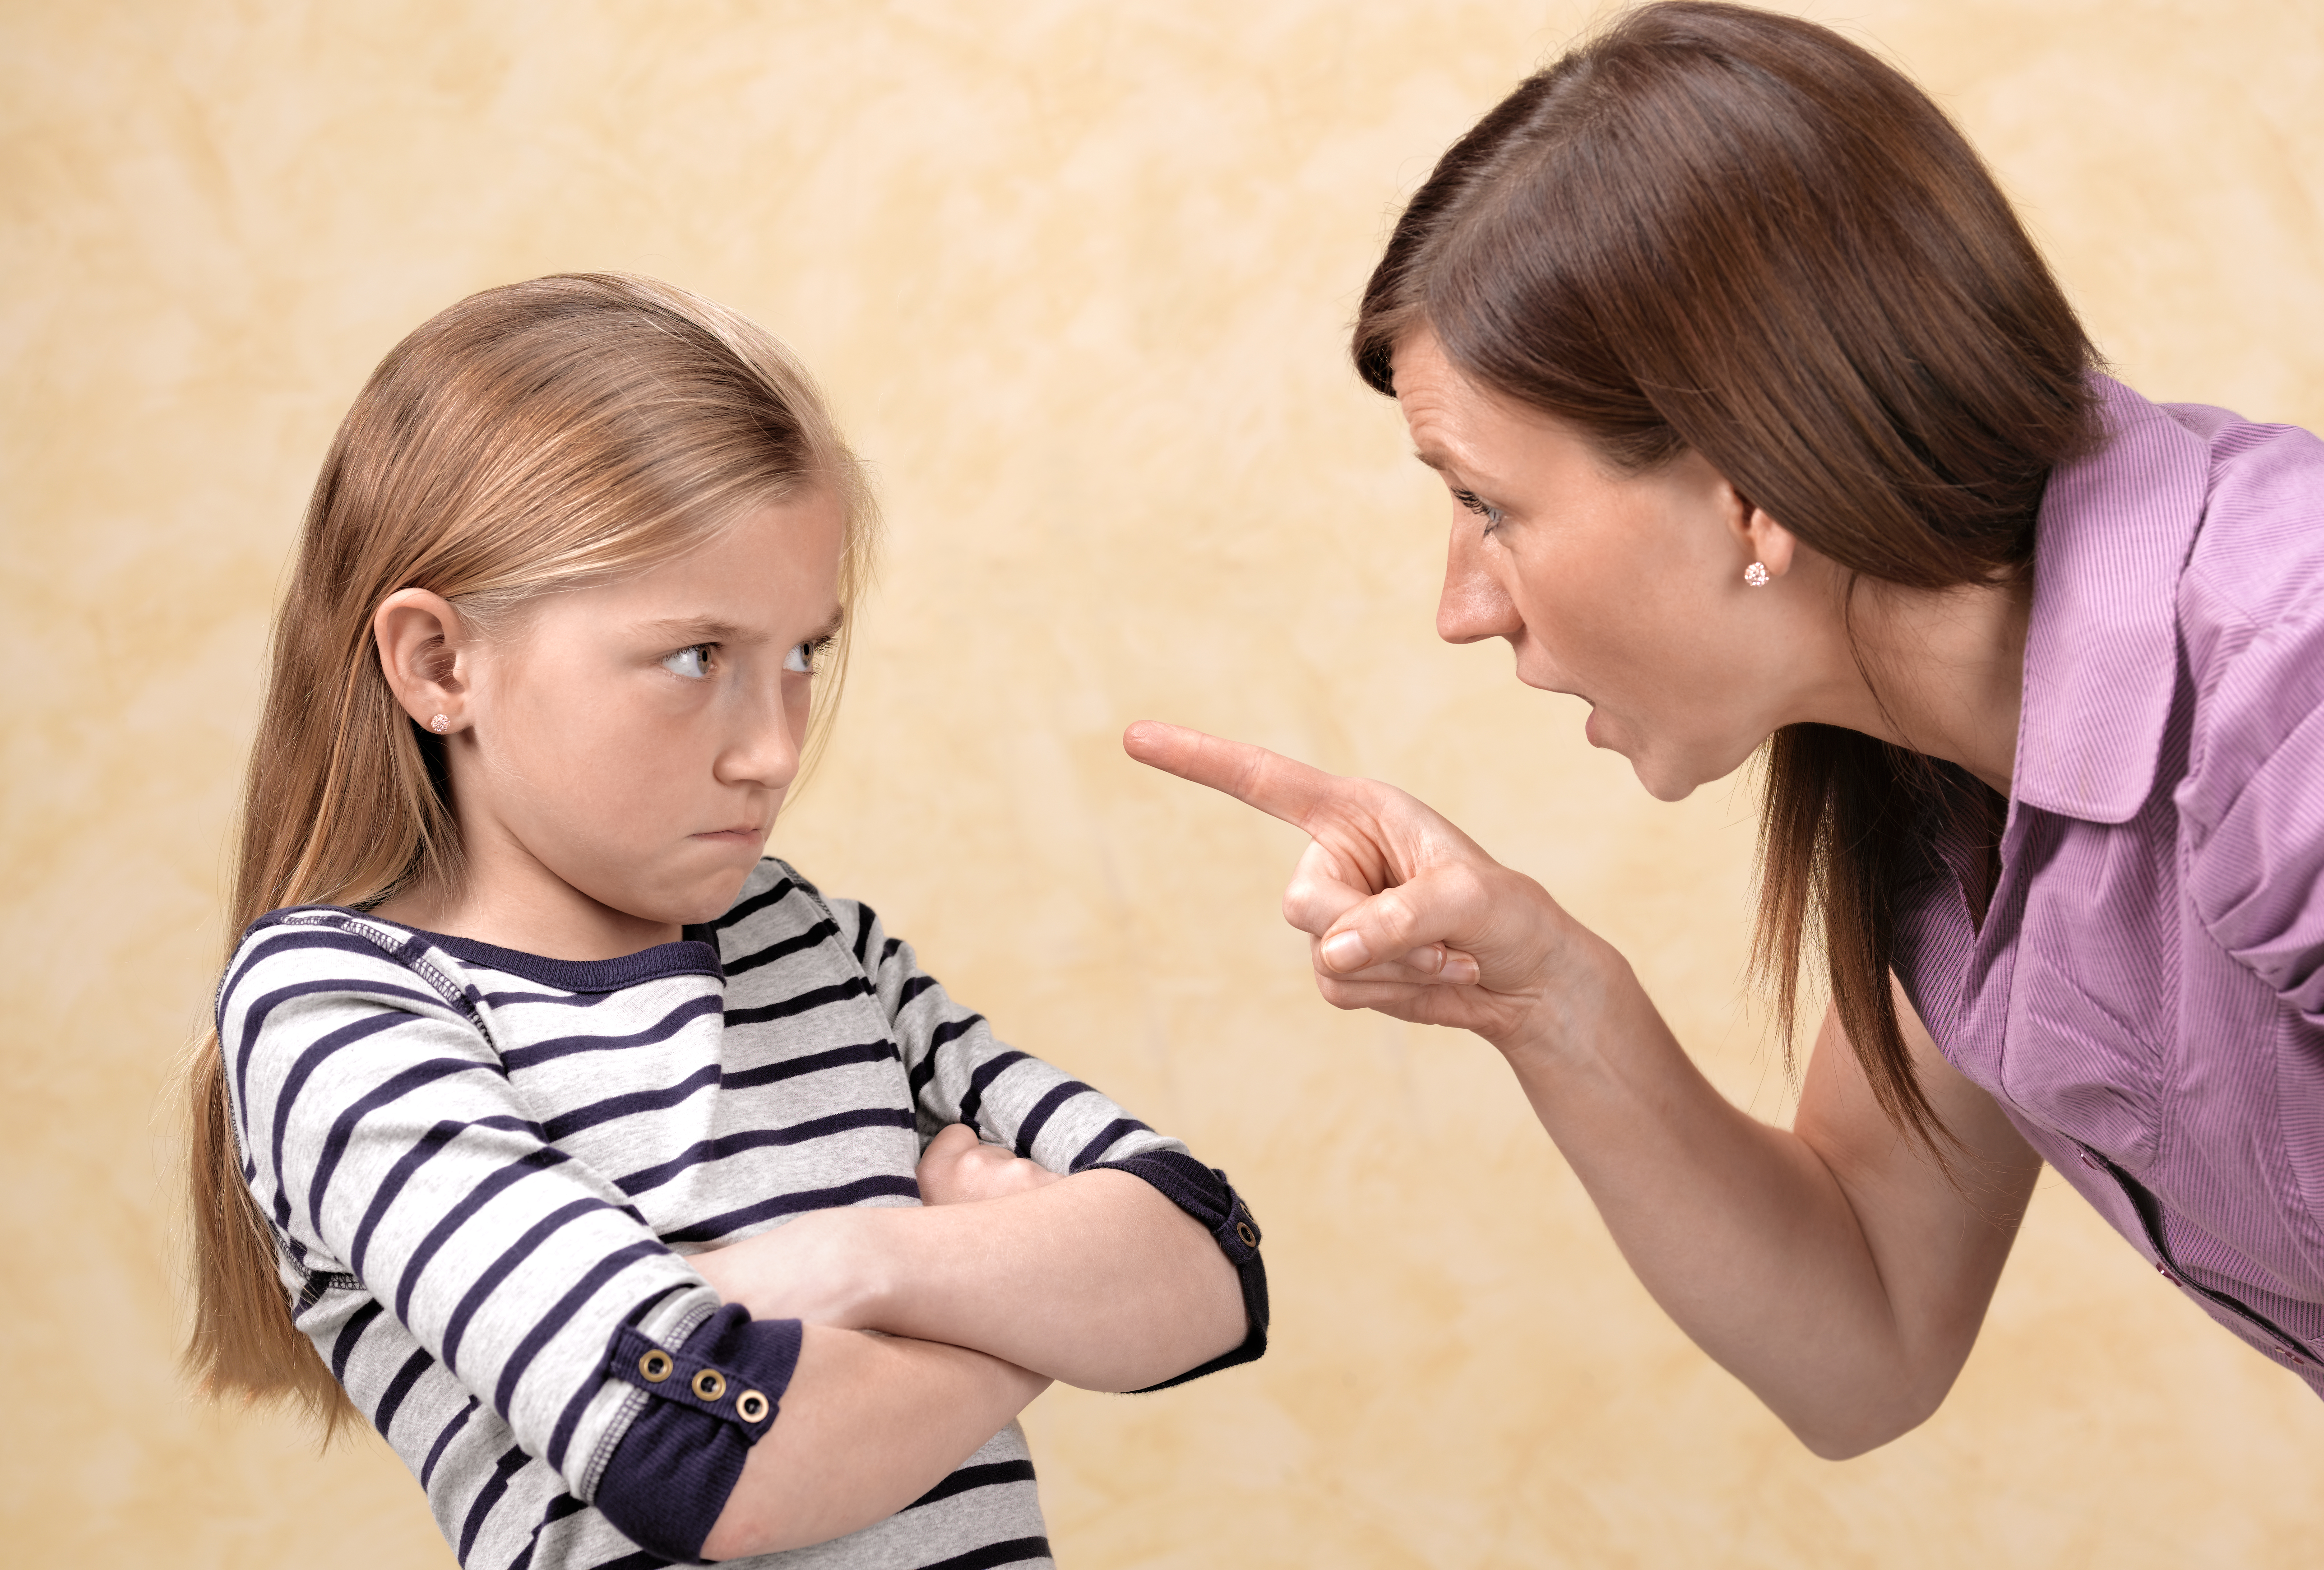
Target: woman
[[1768, 427]]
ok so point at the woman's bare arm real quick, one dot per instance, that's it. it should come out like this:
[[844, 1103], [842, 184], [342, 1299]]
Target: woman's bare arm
[[1831, 1267]]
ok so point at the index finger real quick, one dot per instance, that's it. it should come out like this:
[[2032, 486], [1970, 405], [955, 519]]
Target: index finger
[[1280, 787]]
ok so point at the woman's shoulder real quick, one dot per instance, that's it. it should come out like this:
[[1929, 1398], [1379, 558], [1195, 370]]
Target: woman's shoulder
[[2256, 561], [2251, 641], [2250, 604]]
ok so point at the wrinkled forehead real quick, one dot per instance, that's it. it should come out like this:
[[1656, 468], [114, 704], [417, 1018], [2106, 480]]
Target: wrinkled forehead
[[1463, 430]]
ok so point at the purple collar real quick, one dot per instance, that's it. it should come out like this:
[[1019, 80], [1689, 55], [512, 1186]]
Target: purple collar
[[2101, 654]]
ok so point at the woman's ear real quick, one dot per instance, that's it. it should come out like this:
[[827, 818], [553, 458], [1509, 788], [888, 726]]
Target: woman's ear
[[421, 639], [1763, 539]]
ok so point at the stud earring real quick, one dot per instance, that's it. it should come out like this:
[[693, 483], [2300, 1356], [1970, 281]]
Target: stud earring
[[440, 725], [1756, 575]]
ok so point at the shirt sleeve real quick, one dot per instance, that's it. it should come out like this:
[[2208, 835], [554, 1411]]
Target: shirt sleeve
[[959, 1073], [384, 1141], [2252, 806]]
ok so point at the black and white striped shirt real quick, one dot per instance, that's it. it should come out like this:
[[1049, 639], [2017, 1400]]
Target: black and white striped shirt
[[481, 1165]]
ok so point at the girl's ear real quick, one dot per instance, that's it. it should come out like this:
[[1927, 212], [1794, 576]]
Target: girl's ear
[[421, 639]]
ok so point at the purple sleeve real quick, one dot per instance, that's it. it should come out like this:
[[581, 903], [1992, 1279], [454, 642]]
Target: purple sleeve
[[2254, 811], [710, 1399], [1204, 1192]]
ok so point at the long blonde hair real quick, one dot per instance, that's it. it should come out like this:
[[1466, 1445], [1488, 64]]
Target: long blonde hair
[[533, 439]]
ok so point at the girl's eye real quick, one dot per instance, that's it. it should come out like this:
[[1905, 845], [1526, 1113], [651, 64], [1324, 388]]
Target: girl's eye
[[692, 663], [1485, 509], [804, 657]]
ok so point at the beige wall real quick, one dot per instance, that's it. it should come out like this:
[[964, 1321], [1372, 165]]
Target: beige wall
[[1077, 275]]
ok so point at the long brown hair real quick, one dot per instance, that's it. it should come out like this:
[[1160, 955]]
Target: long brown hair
[[535, 438], [1716, 229]]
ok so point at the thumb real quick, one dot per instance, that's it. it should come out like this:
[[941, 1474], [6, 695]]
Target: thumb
[[1404, 923]]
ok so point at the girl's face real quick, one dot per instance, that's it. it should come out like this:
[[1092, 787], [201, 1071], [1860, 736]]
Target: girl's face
[[619, 757], [1626, 592]]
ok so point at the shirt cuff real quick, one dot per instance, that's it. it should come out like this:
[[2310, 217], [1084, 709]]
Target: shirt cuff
[[1204, 1192], [715, 1395]]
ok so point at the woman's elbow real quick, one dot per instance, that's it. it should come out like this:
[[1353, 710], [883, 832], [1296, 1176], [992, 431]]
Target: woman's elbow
[[1844, 1431]]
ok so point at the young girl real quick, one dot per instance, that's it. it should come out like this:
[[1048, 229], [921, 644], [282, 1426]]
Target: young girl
[[547, 1125]]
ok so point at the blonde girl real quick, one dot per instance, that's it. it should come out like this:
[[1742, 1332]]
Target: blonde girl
[[547, 1126]]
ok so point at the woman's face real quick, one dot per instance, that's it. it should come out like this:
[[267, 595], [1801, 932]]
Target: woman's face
[[1625, 591]]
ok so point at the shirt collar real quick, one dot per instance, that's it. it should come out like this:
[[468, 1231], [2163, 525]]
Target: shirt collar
[[2101, 651]]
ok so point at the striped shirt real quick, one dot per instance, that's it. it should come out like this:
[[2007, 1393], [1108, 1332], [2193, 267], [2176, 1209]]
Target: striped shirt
[[482, 1167], [2144, 997]]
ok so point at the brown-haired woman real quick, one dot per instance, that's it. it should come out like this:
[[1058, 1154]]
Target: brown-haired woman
[[1769, 428]]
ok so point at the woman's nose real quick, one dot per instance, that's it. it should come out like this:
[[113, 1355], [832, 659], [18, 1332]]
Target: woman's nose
[[1474, 605]]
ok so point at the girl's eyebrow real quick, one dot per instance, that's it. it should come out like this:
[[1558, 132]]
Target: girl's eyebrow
[[692, 630], [713, 629]]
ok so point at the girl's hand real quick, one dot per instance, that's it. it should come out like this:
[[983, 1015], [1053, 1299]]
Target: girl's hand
[[828, 1266], [1408, 915], [959, 1168]]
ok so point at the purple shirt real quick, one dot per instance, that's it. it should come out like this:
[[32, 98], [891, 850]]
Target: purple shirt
[[2145, 999]]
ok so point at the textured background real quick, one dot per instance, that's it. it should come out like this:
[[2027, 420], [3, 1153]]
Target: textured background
[[1077, 275]]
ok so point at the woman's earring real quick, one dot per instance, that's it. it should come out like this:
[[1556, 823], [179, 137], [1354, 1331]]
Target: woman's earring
[[1756, 575], [440, 725]]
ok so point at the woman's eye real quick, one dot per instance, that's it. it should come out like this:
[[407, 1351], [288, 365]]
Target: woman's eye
[[693, 663], [1485, 509], [801, 660]]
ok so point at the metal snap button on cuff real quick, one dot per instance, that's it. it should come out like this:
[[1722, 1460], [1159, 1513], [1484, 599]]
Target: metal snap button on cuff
[[709, 1384], [656, 1365], [751, 1406], [1249, 1238]]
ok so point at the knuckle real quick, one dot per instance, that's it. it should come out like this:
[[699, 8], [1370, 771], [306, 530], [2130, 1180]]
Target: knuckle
[[1395, 916]]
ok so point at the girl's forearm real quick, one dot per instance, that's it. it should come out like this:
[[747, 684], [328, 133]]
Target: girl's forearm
[[867, 1426], [1097, 1279]]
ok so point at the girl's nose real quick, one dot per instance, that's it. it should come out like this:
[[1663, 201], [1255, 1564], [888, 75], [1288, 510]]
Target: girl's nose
[[1474, 605], [764, 750]]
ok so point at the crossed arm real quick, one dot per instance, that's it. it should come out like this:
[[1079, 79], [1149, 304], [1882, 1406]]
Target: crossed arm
[[1832, 1265], [1007, 1278]]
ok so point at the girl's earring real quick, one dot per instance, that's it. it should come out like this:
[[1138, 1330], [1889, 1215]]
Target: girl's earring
[[440, 725], [1756, 575]]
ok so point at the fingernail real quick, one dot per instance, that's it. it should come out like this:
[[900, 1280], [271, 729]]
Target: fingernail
[[1347, 952], [1460, 969]]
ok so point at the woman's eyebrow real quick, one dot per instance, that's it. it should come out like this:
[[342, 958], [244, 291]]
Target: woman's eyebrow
[[1451, 469]]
